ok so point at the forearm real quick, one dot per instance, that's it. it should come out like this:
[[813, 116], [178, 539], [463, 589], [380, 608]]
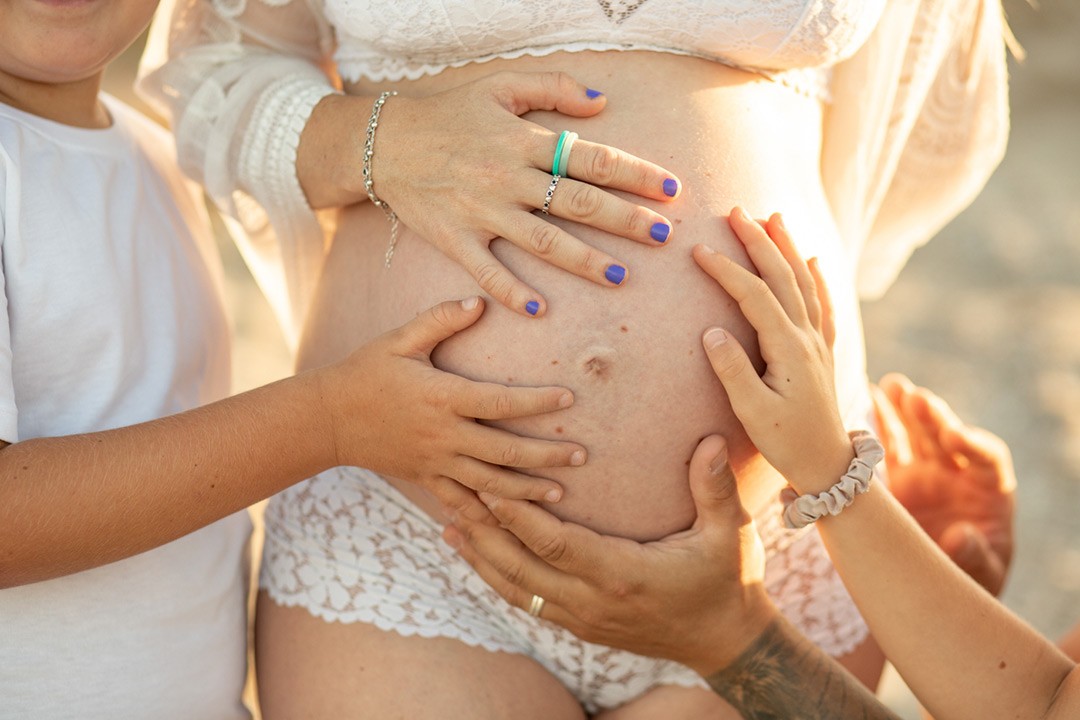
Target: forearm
[[784, 675], [962, 653], [72, 503]]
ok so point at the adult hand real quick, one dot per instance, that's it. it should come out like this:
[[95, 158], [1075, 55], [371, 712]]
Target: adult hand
[[461, 168], [395, 413], [956, 480], [695, 596]]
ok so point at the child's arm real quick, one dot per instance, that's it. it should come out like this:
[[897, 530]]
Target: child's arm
[[72, 503], [961, 652]]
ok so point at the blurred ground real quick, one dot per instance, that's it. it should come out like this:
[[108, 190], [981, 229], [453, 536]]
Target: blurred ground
[[987, 315]]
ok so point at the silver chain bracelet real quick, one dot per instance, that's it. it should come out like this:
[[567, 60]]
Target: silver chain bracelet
[[369, 185]]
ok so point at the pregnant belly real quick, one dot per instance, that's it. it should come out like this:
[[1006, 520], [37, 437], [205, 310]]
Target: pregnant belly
[[644, 392]]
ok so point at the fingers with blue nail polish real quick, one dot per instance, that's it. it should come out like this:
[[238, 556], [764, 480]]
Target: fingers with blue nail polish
[[615, 274], [660, 231], [532, 307]]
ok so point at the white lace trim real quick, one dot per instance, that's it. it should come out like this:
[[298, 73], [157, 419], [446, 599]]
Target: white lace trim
[[355, 66]]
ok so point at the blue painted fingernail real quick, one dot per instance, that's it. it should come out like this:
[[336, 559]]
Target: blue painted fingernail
[[615, 274], [660, 231], [670, 187], [532, 307], [592, 94]]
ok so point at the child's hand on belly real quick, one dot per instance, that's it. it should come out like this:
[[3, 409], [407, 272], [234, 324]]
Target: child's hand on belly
[[391, 411]]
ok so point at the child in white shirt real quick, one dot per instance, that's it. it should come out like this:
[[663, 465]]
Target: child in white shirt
[[123, 471]]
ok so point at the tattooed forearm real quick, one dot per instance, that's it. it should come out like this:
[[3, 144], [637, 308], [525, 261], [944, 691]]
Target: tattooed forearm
[[784, 675]]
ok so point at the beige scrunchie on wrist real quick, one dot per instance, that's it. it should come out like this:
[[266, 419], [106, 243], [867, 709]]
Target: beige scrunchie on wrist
[[801, 510]]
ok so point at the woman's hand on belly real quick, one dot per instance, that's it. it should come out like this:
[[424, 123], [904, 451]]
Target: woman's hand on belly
[[461, 168], [391, 411]]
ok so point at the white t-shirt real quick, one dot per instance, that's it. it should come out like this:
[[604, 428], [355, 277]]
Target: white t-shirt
[[111, 314]]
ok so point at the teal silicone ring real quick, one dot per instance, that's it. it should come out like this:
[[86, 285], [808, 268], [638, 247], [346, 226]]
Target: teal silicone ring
[[558, 152]]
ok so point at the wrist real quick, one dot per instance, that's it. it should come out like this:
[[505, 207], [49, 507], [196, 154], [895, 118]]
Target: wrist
[[330, 156], [826, 469], [323, 387], [733, 629]]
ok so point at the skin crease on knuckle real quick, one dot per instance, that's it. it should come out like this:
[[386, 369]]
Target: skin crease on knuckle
[[485, 484], [635, 223], [514, 572], [757, 288], [544, 239], [589, 262], [511, 455], [437, 393], [494, 280], [442, 316], [603, 165], [730, 367], [504, 405], [554, 83], [644, 177], [585, 201], [553, 550]]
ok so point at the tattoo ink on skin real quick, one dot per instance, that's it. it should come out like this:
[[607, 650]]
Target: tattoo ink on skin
[[783, 675]]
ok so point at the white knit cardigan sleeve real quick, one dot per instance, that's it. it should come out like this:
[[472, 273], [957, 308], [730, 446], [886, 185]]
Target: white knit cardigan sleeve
[[238, 81]]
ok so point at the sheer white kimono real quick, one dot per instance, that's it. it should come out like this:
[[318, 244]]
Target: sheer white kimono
[[918, 121]]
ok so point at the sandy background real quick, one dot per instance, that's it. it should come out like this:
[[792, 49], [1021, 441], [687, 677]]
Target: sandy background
[[987, 315]]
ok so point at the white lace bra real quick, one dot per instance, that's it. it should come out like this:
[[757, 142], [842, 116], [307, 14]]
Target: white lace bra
[[406, 39]]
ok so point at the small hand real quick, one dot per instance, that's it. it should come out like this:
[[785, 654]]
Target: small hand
[[395, 413], [790, 413], [956, 480], [461, 168], [695, 596]]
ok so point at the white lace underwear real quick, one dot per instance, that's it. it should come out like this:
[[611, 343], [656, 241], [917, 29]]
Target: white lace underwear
[[347, 547]]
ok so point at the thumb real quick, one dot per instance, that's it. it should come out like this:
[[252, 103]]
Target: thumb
[[420, 336], [733, 368], [521, 92], [713, 485]]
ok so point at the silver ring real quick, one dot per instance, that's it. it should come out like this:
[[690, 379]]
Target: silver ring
[[537, 604], [551, 191]]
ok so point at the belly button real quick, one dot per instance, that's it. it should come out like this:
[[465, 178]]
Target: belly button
[[598, 361]]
